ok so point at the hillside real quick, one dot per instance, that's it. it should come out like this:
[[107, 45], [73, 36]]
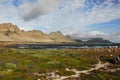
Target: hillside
[[91, 40], [11, 33], [97, 40]]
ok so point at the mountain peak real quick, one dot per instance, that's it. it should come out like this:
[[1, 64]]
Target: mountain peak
[[56, 33], [8, 27], [36, 32]]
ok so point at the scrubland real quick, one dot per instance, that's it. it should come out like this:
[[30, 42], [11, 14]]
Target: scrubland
[[34, 64]]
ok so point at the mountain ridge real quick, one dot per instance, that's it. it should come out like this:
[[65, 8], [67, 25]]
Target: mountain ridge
[[93, 41], [12, 33]]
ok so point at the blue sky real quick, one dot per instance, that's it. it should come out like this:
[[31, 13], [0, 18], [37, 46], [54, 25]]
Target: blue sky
[[78, 18]]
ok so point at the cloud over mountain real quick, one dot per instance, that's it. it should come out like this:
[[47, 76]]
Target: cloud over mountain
[[69, 16], [114, 37]]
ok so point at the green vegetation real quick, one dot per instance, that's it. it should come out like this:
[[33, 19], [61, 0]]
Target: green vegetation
[[100, 75], [20, 64]]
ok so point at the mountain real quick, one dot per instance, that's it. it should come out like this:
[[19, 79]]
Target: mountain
[[59, 37], [91, 40], [97, 40], [79, 41], [11, 33]]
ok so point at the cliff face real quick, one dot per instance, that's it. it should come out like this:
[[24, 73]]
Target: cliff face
[[11, 33]]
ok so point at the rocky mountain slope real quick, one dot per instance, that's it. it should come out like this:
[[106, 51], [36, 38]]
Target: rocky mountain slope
[[54, 36], [11, 33], [97, 40], [92, 41]]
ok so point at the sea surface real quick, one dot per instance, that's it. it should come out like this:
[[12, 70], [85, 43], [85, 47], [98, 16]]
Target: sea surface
[[66, 46]]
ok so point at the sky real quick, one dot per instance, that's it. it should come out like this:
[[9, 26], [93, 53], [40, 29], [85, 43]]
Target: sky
[[78, 18]]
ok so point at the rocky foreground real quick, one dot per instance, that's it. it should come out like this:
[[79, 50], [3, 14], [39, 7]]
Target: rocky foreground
[[10, 33]]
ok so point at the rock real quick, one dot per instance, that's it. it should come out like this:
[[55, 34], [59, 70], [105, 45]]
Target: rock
[[112, 59]]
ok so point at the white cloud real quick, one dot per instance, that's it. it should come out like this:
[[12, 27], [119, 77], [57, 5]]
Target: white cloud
[[74, 13], [31, 11], [10, 14], [91, 34], [7, 12], [98, 14], [103, 15], [94, 33]]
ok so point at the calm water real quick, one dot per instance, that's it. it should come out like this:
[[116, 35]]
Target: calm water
[[69, 46]]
